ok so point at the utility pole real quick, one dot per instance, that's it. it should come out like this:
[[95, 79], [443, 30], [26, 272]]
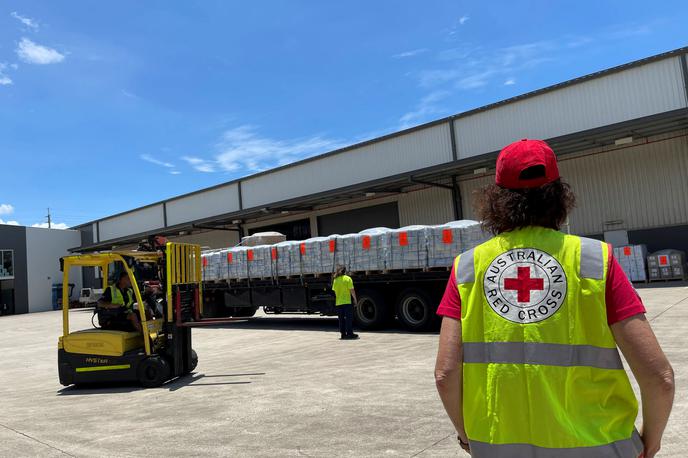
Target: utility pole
[[49, 220]]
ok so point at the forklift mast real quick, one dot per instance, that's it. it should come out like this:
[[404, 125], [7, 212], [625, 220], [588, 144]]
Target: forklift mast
[[182, 278]]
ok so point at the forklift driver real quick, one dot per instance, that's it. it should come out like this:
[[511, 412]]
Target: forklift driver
[[116, 306]]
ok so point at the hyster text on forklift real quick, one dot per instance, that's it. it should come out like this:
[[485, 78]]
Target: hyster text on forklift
[[162, 350]]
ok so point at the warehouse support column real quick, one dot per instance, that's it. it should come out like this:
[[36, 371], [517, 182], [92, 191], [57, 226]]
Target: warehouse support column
[[456, 200], [455, 190]]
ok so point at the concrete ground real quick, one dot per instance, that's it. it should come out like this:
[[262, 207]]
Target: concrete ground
[[274, 386]]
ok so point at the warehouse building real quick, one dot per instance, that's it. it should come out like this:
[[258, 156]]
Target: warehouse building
[[621, 136], [29, 266]]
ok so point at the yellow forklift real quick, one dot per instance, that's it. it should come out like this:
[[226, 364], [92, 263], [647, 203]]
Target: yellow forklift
[[162, 350]]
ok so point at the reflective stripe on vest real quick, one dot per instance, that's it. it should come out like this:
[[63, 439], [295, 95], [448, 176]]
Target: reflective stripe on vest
[[631, 448], [541, 353], [541, 372]]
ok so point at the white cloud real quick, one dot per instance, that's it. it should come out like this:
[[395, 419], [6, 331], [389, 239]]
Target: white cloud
[[4, 79], [14, 66], [199, 164], [129, 94], [243, 149], [413, 52], [510, 82], [9, 223], [463, 19], [175, 172], [52, 225], [152, 160], [28, 22], [33, 53], [428, 106], [6, 209]]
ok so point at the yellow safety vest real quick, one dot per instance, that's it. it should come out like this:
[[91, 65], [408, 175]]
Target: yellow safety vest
[[118, 299], [542, 376]]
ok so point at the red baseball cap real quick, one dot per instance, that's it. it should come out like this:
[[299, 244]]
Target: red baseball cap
[[524, 154]]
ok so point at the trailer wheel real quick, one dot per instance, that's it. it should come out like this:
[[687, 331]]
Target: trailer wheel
[[372, 311], [415, 310], [153, 371]]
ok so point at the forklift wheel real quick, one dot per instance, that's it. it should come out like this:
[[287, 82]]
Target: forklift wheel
[[153, 371], [194, 360]]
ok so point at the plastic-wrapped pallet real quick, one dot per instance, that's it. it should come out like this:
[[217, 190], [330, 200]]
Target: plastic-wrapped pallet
[[344, 251], [287, 259], [263, 238], [212, 266], [632, 261], [259, 261], [328, 254], [222, 271], [447, 241], [407, 248], [237, 263], [311, 251], [370, 248]]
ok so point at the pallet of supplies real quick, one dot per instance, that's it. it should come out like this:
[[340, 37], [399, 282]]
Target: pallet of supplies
[[407, 248]]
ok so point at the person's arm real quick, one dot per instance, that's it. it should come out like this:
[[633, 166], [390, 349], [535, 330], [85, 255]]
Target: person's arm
[[449, 373], [105, 301], [352, 291], [654, 374]]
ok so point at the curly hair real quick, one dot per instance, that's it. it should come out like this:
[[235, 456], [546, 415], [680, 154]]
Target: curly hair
[[503, 210]]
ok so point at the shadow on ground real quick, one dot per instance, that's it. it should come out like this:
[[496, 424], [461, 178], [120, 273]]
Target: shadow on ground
[[190, 380], [303, 323]]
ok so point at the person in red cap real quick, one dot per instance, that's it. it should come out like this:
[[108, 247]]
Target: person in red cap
[[528, 364]]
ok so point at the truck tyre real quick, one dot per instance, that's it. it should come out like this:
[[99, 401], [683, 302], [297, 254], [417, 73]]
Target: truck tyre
[[153, 371], [416, 311], [372, 311]]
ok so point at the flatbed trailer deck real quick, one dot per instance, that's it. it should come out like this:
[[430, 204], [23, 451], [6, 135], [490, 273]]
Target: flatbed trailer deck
[[409, 296]]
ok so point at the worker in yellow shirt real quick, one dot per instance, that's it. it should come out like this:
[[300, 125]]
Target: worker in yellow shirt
[[343, 287]]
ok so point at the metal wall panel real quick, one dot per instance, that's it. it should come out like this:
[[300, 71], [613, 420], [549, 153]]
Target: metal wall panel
[[426, 206], [629, 94], [204, 204], [415, 150], [642, 186], [135, 222], [635, 187], [209, 239]]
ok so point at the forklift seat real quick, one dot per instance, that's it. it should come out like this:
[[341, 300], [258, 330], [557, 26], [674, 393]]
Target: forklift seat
[[102, 342]]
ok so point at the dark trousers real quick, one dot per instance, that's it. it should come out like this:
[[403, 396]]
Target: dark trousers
[[346, 319]]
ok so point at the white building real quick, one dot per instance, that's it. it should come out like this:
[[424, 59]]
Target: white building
[[29, 266]]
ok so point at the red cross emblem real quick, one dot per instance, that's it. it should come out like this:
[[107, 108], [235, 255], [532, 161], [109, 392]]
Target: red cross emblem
[[524, 284]]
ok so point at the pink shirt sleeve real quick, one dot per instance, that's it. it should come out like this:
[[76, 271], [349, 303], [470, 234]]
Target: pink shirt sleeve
[[621, 298], [450, 305]]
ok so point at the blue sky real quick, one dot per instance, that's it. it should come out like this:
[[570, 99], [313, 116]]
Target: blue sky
[[108, 106]]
